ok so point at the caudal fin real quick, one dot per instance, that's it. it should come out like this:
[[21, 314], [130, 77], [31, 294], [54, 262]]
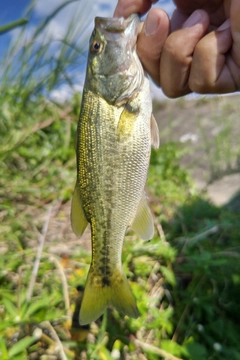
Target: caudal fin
[[99, 293]]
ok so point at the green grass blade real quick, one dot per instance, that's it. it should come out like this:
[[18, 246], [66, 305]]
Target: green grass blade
[[21, 346], [12, 25], [51, 16], [3, 349]]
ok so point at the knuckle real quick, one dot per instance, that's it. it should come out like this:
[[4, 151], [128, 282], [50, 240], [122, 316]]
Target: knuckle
[[201, 76], [175, 51], [171, 46], [174, 93], [200, 83]]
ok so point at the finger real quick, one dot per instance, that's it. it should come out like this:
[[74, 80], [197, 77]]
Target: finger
[[177, 54], [150, 41], [211, 68], [235, 28], [218, 10], [177, 20], [127, 7], [188, 6]]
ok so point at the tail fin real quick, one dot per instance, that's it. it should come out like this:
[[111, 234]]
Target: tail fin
[[99, 293]]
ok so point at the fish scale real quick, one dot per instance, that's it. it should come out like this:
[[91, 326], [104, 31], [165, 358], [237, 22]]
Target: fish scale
[[115, 177], [113, 149]]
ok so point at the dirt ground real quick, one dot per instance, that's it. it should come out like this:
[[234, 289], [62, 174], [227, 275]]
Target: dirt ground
[[196, 124]]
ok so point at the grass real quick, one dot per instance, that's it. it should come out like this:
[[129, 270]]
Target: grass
[[186, 279]]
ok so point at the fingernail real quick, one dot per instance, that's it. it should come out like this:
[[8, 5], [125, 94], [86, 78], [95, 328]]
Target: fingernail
[[151, 24], [193, 19], [225, 25]]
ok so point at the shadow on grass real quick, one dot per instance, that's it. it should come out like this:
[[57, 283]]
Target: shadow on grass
[[207, 268]]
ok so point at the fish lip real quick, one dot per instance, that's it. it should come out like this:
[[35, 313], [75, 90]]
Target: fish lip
[[114, 24]]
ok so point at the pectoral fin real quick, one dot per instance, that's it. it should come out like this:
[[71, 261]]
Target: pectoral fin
[[154, 133], [142, 224], [78, 218]]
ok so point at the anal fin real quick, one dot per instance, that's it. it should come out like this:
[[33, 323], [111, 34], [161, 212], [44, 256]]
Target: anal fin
[[78, 218], [142, 224]]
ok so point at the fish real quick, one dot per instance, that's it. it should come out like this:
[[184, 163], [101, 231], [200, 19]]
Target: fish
[[115, 132]]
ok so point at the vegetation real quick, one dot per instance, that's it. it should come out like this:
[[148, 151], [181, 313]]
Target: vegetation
[[186, 279]]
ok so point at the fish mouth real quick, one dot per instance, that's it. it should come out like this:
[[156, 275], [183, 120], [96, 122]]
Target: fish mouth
[[117, 25]]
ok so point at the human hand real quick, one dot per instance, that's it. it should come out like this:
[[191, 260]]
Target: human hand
[[153, 34], [194, 60], [191, 59]]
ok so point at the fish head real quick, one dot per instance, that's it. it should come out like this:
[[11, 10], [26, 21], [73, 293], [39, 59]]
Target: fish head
[[114, 70]]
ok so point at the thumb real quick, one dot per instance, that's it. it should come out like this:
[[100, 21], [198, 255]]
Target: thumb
[[150, 41]]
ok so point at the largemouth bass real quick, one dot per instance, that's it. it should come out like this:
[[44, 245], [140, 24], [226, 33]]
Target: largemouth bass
[[115, 132]]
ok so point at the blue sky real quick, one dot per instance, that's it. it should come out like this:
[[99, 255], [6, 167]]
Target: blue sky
[[11, 10]]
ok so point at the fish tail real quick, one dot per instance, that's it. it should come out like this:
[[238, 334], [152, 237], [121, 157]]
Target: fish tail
[[101, 291]]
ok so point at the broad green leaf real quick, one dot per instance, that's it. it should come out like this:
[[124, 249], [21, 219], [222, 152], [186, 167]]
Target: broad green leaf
[[104, 353], [21, 346], [35, 306], [169, 275], [3, 349], [5, 324], [197, 351], [10, 308], [173, 348]]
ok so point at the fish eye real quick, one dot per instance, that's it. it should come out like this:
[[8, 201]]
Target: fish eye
[[96, 47]]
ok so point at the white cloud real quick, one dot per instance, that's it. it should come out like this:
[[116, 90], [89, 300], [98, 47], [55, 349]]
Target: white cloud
[[79, 14], [87, 10], [45, 7], [65, 92], [55, 30], [61, 94]]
